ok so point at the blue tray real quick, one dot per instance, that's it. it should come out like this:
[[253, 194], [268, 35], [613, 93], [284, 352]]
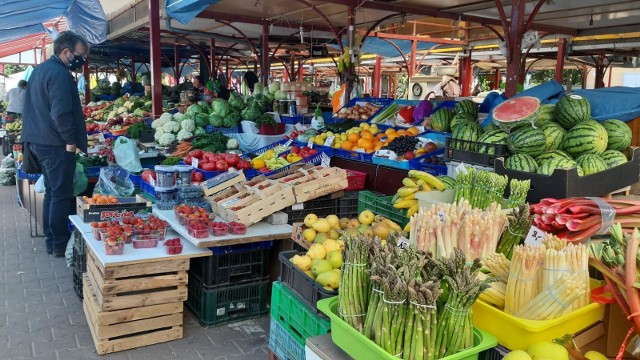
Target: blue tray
[[147, 188], [296, 119], [232, 130], [405, 165], [429, 168], [382, 102], [353, 155], [136, 180]]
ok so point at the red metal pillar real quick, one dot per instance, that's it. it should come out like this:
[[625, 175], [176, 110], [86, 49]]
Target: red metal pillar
[[497, 80], [514, 48], [87, 78], [600, 69], [562, 50], [300, 71], [2, 68], [292, 71], [610, 70], [585, 72], [389, 86], [156, 72], [176, 61], [412, 59], [466, 75], [133, 69], [377, 71], [228, 71], [212, 54], [264, 54]]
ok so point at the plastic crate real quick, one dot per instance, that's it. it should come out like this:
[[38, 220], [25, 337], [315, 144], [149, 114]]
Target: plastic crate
[[359, 346], [92, 171], [309, 290], [234, 267], [296, 119], [348, 205], [382, 102], [454, 150], [232, 130], [79, 260], [353, 155], [225, 305], [355, 180], [136, 180], [77, 283], [283, 344], [78, 241], [322, 207], [382, 205], [147, 188], [297, 318], [496, 353], [404, 165]]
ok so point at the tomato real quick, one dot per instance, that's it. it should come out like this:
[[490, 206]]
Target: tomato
[[147, 175], [231, 159], [187, 160], [209, 167], [222, 165], [199, 177], [196, 153]]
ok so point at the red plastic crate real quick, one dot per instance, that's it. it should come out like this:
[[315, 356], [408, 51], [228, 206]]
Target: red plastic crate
[[356, 180]]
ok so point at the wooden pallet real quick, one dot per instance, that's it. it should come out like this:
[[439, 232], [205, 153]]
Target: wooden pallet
[[138, 285], [624, 191], [119, 330]]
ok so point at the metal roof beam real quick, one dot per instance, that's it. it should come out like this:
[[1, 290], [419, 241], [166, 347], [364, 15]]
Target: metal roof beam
[[213, 15], [418, 38]]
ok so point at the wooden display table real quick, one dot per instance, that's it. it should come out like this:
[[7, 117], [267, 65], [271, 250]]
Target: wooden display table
[[258, 232], [135, 299]]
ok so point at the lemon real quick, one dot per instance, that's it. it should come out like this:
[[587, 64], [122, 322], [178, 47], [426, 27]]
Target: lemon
[[319, 141], [364, 126]]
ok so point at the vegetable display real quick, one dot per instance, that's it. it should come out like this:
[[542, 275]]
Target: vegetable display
[[357, 112]]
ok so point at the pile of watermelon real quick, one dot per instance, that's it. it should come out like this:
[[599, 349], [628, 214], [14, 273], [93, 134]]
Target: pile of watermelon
[[461, 122], [564, 136]]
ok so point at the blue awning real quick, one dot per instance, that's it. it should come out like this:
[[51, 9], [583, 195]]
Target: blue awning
[[19, 18], [186, 10], [377, 46]]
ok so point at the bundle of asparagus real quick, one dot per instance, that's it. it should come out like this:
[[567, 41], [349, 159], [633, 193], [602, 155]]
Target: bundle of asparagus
[[480, 188], [446, 226], [524, 277], [519, 224], [353, 297], [518, 192]]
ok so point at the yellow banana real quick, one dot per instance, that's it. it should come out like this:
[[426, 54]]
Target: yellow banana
[[428, 178], [407, 228], [405, 190], [405, 204], [410, 197], [409, 183], [424, 186], [412, 210]]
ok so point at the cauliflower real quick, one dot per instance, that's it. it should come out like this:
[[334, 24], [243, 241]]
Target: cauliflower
[[159, 123], [188, 125], [166, 117], [166, 139], [232, 144], [184, 134], [178, 116], [157, 135], [171, 127]]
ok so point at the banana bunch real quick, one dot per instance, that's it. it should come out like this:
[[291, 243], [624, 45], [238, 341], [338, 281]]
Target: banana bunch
[[417, 181], [276, 163], [344, 60]]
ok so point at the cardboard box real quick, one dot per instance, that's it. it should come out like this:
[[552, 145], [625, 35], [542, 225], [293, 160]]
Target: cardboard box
[[617, 327], [128, 206], [566, 183], [592, 339]]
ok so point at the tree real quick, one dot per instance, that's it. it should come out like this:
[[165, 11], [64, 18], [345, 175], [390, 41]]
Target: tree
[[11, 69], [541, 76]]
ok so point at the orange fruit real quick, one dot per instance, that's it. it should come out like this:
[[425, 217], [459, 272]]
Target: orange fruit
[[390, 131], [391, 137], [403, 132], [101, 201], [413, 130], [353, 138], [347, 145], [367, 144], [366, 134], [378, 146], [380, 135], [95, 196], [360, 142]]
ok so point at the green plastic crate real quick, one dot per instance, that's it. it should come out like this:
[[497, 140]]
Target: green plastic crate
[[382, 205], [359, 346], [227, 304], [285, 346], [299, 320]]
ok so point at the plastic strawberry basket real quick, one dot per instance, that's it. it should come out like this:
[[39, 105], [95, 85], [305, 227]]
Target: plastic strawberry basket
[[309, 291], [355, 180], [381, 205]]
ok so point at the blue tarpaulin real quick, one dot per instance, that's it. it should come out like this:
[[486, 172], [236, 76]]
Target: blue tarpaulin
[[374, 45], [622, 103], [20, 18], [186, 10]]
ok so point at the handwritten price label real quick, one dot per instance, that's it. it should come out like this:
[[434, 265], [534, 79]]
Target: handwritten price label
[[441, 216], [194, 162], [310, 144], [402, 244], [288, 143], [534, 237], [329, 141], [326, 160]]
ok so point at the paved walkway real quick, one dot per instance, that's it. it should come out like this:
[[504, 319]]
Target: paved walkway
[[41, 317]]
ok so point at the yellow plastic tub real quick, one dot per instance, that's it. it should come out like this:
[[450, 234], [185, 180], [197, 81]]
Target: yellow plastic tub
[[517, 334]]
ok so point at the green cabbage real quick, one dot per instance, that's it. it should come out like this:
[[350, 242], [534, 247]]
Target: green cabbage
[[252, 112], [274, 87], [194, 109], [236, 101], [280, 95], [220, 107], [199, 131], [230, 121], [201, 119], [215, 120], [257, 88]]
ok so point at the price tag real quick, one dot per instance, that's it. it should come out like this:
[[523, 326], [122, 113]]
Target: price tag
[[101, 137], [461, 169], [420, 129], [297, 206], [326, 160], [534, 237], [152, 181], [232, 170], [360, 150], [194, 162], [288, 143], [441, 216], [329, 141], [310, 144], [402, 244]]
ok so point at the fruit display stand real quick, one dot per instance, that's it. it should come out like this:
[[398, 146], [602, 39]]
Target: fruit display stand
[[134, 299], [258, 232]]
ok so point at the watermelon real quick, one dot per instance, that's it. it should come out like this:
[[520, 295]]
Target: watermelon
[[449, 182], [441, 120], [527, 140], [461, 118], [619, 134], [516, 111], [467, 107], [591, 163], [571, 110], [588, 137], [555, 135], [548, 166], [551, 155], [613, 158], [490, 127], [521, 162], [546, 114], [495, 137], [468, 131]]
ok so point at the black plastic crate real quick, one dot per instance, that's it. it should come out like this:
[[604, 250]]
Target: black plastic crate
[[495, 353], [227, 304], [322, 207], [232, 265], [78, 241], [464, 151], [79, 260], [309, 290], [348, 205], [77, 283]]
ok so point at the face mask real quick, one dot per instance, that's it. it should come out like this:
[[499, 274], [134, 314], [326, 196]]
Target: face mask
[[75, 63]]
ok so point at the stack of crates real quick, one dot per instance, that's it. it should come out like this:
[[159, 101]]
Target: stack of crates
[[79, 261], [231, 285], [292, 323]]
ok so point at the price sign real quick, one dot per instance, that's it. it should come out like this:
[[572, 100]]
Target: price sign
[[101, 137], [360, 150], [329, 141], [152, 181], [310, 144], [402, 244], [441, 216], [297, 206], [326, 160], [534, 237], [194, 162], [288, 143]]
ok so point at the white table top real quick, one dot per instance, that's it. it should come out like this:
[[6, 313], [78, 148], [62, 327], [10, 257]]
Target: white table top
[[258, 232], [135, 256]]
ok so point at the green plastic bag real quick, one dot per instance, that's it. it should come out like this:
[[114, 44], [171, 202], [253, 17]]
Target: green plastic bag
[[80, 180]]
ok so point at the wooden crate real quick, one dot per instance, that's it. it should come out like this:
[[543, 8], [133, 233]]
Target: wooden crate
[[309, 184], [137, 285], [125, 329], [258, 206]]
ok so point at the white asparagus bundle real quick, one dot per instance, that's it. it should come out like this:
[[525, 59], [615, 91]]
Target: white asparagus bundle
[[498, 265], [444, 227], [495, 294], [556, 300], [551, 241], [525, 277]]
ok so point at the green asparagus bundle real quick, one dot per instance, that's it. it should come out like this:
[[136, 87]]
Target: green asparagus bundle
[[394, 310], [353, 297], [518, 192], [519, 224], [422, 320], [480, 188], [377, 263]]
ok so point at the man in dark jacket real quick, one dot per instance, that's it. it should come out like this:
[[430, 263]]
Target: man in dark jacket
[[53, 129]]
